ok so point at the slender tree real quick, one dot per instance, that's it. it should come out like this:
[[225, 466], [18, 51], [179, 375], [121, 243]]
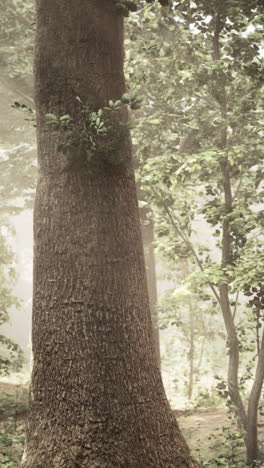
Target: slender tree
[[97, 398]]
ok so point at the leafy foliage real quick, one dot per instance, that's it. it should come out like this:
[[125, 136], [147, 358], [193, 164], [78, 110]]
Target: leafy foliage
[[18, 175], [17, 165], [199, 143], [16, 45], [11, 357], [11, 431], [98, 131]]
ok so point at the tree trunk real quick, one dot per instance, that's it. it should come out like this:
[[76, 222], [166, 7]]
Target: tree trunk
[[232, 339], [253, 406], [192, 349], [97, 399], [233, 361], [190, 334], [147, 229]]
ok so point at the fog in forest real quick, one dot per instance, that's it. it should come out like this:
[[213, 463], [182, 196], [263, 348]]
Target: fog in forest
[[179, 247]]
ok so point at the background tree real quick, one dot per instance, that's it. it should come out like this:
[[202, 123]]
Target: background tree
[[194, 321], [16, 47]]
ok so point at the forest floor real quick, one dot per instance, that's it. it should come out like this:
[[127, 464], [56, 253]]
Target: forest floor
[[203, 429]]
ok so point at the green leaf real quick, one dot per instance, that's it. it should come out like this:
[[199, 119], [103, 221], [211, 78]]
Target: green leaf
[[154, 121], [65, 117], [51, 117]]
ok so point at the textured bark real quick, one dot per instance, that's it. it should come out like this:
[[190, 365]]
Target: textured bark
[[97, 399]]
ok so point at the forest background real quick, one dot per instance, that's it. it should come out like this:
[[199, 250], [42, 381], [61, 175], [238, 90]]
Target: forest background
[[195, 87]]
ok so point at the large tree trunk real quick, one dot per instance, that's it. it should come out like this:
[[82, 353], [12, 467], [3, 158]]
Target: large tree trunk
[[97, 399]]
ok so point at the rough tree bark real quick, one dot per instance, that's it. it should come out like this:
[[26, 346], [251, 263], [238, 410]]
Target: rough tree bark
[[97, 399]]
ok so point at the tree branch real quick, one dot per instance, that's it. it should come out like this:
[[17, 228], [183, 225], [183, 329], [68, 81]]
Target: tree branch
[[189, 245]]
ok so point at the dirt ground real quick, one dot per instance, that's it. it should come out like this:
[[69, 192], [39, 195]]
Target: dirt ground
[[202, 428]]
